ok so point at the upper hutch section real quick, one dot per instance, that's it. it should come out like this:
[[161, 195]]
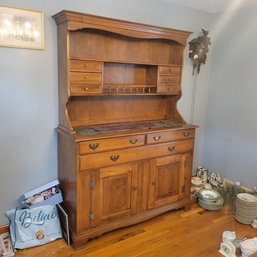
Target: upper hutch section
[[123, 63]]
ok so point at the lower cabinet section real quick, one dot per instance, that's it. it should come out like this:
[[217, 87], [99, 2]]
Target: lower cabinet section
[[101, 199], [129, 193]]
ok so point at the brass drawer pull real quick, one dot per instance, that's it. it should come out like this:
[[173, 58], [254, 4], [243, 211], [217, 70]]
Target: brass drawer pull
[[133, 141], [186, 134], [171, 148], [114, 158], [93, 146], [157, 138]]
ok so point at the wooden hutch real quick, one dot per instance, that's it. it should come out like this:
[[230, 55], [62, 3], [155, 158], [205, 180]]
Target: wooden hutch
[[125, 152]]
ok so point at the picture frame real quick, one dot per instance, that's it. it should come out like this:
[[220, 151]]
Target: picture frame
[[21, 28]]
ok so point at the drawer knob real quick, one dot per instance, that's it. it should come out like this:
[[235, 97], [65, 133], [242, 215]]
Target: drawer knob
[[85, 88], [134, 188], [157, 138], [186, 134], [153, 183], [133, 141], [85, 77], [85, 65], [93, 146], [114, 158], [171, 148]]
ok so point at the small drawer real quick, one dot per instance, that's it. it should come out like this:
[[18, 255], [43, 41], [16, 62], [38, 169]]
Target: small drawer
[[104, 159], [160, 137], [82, 88], [168, 89], [169, 79], [111, 144], [85, 66], [166, 70], [86, 78]]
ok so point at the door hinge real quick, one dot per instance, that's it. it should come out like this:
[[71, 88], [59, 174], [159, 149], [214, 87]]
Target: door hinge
[[91, 184]]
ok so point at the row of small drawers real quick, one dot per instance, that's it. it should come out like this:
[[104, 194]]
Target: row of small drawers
[[132, 141], [86, 77]]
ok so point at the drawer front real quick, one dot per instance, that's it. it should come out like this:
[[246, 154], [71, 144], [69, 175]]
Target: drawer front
[[168, 89], [80, 89], [86, 78], [111, 144], [160, 137], [93, 161], [85, 66], [166, 70], [169, 79]]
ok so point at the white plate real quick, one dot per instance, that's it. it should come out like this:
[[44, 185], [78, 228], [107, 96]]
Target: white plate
[[209, 194], [247, 197]]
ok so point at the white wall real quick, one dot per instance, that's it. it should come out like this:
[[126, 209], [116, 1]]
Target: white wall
[[231, 134], [28, 82]]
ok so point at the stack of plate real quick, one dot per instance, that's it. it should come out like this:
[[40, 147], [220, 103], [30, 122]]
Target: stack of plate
[[246, 208], [210, 199]]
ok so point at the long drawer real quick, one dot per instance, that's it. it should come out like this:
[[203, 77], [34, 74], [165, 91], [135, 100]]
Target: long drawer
[[93, 161], [111, 144], [160, 137]]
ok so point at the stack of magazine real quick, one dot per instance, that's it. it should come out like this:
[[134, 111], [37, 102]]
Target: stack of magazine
[[6, 249]]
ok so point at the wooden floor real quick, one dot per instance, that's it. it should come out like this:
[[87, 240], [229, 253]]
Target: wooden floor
[[195, 233]]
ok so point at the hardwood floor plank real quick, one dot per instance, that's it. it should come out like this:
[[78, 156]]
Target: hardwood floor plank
[[196, 233]]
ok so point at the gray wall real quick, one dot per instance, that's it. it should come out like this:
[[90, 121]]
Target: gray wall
[[231, 133], [28, 99]]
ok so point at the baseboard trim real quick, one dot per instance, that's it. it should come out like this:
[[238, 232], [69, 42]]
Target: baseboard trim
[[4, 229]]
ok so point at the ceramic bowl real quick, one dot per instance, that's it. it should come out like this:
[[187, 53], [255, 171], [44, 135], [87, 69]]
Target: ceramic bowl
[[196, 181]]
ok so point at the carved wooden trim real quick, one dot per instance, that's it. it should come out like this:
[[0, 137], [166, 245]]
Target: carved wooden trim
[[78, 21]]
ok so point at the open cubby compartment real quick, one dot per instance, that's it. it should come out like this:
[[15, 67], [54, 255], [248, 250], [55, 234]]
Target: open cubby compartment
[[126, 78]]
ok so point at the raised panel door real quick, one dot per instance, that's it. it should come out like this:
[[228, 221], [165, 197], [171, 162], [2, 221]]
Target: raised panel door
[[166, 180], [115, 193]]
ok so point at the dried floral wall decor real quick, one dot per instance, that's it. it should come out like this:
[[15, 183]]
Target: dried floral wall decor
[[198, 50]]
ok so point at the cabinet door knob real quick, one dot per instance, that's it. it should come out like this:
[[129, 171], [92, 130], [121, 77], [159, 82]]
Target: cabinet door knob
[[134, 188], [133, 141], [114, 158], [153, 183], [157, 138], [85, 88], [93, 146], [186, 134], [171, 148], [91, 216]]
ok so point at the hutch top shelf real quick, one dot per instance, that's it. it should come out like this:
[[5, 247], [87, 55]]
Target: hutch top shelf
[[128, 72]]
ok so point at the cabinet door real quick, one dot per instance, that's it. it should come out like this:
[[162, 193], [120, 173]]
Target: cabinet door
[[115, 193], [166, 184]]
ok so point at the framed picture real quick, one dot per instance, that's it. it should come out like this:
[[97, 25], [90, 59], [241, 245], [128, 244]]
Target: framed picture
[[21, 28]]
